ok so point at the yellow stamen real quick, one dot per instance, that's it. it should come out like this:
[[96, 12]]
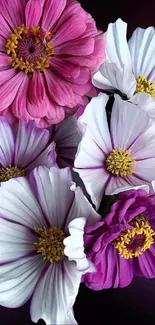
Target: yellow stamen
[[50, 243], [119, 162], [12, 48], [126, 243], [144, 85], [10, 172]]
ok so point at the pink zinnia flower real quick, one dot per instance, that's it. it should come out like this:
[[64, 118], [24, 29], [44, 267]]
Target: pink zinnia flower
[[48, 49], [122, 245], [122, 155], [36, 214]]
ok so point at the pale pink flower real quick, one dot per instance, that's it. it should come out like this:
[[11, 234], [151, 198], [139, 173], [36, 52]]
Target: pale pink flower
[[48, 49]]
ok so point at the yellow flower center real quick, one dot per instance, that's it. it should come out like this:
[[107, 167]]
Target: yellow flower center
[[29, 49], [145, 86], [119, 162], [132, 243], [10, 172], [50, 243]]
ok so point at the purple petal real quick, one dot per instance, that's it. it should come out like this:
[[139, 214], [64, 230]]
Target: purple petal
[[6, 143]]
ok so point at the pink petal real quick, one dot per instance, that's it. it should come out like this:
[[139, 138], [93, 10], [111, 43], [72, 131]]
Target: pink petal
[[36, 88], [55, 113], [39, 110], [30, 142], [33, 12], [5, 30], [76, 47], [13, 12], [4, 61], [83, 77], [19, 105], [65, 68], [52, 11], [9, 90], [6, 75], [71, 29], [58, 89]]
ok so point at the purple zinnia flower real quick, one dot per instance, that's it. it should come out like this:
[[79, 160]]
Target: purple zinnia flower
[[124, 243], [36, 215], [122, 155]]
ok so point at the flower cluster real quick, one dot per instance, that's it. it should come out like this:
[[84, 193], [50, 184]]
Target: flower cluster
[[77, 156]]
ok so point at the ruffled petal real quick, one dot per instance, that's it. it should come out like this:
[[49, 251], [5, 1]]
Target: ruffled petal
[[19, 204], [55, 294], [52, 188], [30, 142], [18, 280]]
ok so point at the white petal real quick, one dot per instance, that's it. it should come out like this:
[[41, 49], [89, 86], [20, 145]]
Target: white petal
[[16, 241], [131, 187], [100, 81], [55, 294], [80, 208], [19, 204], [95, 182], [18, 280], [120, 78], [124, 129], [142, 49], [95, 119], [7, 145], [116, 44], [53, 191], [144, 101]]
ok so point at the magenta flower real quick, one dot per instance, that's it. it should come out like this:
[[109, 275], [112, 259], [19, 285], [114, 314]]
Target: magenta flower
[[124, 243], [48, 49], [123, 154], [23, 148], [38, 257]]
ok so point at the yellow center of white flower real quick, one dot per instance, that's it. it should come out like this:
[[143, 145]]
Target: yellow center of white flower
[[50, 243], [145, 86], [120, 163], [29, 49], [132, 243], [10, 172]]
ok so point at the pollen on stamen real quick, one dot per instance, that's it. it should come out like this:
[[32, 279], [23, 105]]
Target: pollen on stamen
[[30, 49], [10, 172], [120, 163], [144, 85]]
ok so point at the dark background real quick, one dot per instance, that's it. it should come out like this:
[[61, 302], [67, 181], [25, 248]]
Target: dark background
[[135, 304]]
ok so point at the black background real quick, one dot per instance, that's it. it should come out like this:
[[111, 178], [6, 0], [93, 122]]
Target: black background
[[136, 303]]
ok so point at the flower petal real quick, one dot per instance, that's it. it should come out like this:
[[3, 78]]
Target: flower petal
[[53, 191], [30, 142], [125, 130], [18, 203], [18, 280], [125, 271], [55, 294], [144, 264], [13, 12], [52, 11], [47, 158], [142, 48], [5, 30], [116, 44], [16, 241], [6, 143], [36, 88], [33, 12]]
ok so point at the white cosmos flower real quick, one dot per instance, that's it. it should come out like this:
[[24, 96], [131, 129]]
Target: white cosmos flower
[[129, 66], [35, 216]]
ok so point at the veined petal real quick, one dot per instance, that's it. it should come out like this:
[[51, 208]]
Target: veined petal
[[7, 145], [18, 280], [16, 241], [36, 88], [33, 12], [52, 11], [19, 204], [13, 12], [30, 142], [52, 188], [142, 47], [55, 294]]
